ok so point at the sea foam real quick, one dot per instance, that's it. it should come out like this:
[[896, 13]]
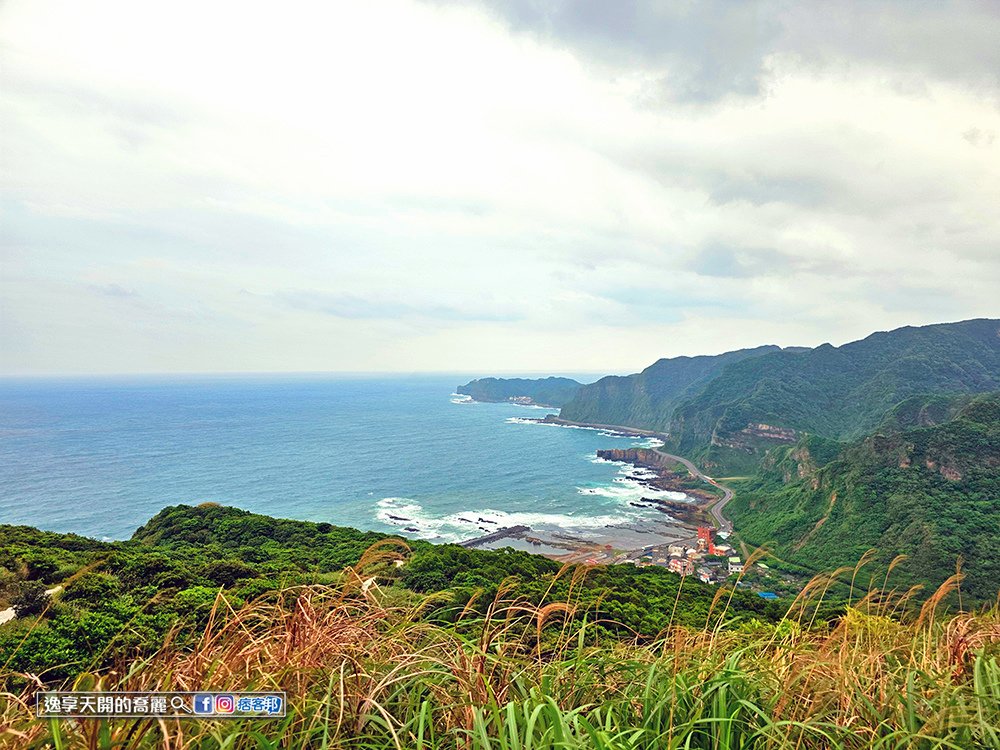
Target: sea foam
[[406, 513]]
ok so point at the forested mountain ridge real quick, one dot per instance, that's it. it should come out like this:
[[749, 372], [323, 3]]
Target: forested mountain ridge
[[930, 492], [731, 413], [647, 399]]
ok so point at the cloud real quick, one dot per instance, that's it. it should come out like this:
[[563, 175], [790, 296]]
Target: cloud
[[689, 51], [513, 186], [979, 138], [113, 290], [703, 52], [742, 262], [354, 307]]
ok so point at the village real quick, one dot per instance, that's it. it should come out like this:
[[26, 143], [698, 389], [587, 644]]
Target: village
[[707, 561], [704, 559]]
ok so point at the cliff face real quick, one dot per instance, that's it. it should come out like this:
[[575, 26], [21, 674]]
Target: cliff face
[[638, 456], [927, 492]]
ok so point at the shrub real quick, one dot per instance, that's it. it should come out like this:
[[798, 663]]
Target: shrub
[[30, 599]]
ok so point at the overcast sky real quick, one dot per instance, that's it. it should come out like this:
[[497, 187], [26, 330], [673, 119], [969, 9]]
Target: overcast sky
[[487, 187]]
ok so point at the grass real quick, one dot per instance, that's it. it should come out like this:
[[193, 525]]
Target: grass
[[364, 668]]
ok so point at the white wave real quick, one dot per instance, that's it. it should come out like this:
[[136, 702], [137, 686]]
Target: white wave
[[651, 442], [599, 460], [524, 420], [458, 398], [392, 502], [637, 472], [627, 490], [409, 517], [603, 432], [562, 520], [397, 506]]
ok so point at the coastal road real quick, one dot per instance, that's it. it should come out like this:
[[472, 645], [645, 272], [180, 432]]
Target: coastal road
[[714, 510]]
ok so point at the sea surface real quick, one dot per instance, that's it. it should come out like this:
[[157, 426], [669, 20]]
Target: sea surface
[[404, 454]]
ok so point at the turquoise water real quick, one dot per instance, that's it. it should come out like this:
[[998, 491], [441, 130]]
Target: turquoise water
[[100, 456]]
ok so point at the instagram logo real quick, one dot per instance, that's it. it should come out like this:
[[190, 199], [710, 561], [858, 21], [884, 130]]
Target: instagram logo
[[225, 704]]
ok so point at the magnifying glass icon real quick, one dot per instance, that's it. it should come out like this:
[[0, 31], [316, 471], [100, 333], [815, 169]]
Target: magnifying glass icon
[[177, 703]]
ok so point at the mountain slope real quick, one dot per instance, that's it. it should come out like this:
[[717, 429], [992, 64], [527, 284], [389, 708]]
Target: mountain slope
[[647, 399], [844, 392], [930, 492], [728, 411]]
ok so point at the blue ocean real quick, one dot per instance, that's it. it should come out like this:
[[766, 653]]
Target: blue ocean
[[404, 454]]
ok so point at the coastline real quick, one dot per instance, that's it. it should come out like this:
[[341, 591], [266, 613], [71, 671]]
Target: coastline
[[714, 508], [652, 468], [622, 429]]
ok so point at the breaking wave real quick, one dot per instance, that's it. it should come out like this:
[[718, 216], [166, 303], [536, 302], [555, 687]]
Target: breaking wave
[[651, 443], [602, 431], [409, 517]]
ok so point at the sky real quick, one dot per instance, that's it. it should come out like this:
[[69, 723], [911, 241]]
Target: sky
[[487, 186]]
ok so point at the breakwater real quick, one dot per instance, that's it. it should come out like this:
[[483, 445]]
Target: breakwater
[[504, 533]]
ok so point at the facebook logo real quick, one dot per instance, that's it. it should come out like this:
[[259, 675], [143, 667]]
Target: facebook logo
[[204, 703]]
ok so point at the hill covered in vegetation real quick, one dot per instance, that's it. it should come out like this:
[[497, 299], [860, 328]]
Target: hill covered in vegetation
[[728, 411], [647, 399], [926, 484], [551, 391], [367, 661], [124, 597]]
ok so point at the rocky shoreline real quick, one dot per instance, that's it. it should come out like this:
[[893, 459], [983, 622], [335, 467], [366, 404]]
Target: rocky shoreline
[[667, 477], [633, 431], [652, 469]]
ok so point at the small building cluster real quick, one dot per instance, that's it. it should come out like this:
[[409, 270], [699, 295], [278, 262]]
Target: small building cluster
[[709, 561]]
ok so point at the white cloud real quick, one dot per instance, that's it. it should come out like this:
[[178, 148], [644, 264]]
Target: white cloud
[[392, 185]]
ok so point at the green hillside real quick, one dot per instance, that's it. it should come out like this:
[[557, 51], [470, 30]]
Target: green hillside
[[930, 492], [844, 392], [123, 597], [924, 411], [550, 391], [647, 399], [439, 648], [728, 411]]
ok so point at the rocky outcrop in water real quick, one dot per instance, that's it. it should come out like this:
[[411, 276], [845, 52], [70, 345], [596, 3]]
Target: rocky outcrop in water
[[553, 392], [667, 478], [647, 458]]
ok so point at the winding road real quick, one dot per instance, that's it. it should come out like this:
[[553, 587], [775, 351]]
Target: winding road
[[715, 510]]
